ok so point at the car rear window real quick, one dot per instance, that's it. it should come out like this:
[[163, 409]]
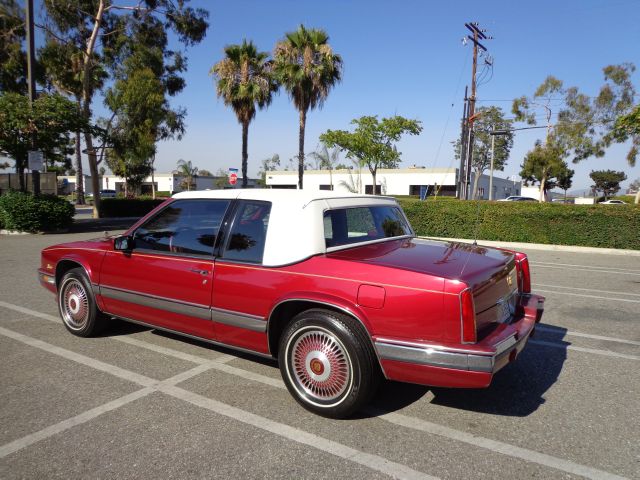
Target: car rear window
[[345, 226]]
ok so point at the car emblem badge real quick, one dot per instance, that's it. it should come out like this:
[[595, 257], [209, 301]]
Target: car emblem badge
[[509, 280], [316, 366]]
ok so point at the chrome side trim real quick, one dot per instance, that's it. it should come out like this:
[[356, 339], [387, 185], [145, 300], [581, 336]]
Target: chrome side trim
[[95, 288], [191, 310], [435, 358], [195, 337], [254, 323]]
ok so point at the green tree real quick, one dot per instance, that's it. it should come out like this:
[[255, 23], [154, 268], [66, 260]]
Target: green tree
[[543, 165], [607, 181], [307, 67], [489, 119], [222, 178], [98, 30], [327, 159], [59, 61], [13, 59], [268, 165], [205, 173], [52, 117], [564, 180], [189, 172], [372, 143], [244, 82]]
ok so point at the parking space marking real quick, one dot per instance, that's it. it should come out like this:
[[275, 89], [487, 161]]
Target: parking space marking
[[590, 296], [582, 268], [495, 446], [372, 461], [369, 460], [59, 427], [606, 353], [564, 287], [561, 330], [399, 419], [443, 431], [633, 271], [79, 358]]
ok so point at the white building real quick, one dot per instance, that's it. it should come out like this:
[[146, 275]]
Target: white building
[[399, 181]]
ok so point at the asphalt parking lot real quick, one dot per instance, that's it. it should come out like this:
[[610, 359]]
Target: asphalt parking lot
[[138, 403]]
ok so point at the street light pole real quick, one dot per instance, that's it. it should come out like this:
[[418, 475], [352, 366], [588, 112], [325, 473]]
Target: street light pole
[[35, 173], [493, 149]]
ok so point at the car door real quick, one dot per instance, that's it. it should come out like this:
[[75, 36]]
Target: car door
[[243, 290], [166, 279]]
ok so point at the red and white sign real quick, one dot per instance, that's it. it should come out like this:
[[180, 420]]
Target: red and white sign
[[233, 179]]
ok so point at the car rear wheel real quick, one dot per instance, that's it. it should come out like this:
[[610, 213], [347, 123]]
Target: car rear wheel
[[77, 305], [328, 363]]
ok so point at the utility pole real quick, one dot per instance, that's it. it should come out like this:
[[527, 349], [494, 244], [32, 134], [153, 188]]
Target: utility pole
[[463, 148], [31, 67], [478, 34]]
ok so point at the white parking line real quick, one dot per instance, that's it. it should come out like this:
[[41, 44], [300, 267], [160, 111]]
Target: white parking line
[[629, 300], [606, 353], [580, 268], [374, 462], [407, 421], [633, 271], [443, 431], [564, 287], [561, 330]]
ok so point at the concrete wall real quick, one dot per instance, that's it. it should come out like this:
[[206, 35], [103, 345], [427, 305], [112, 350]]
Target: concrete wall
[[401, 181]]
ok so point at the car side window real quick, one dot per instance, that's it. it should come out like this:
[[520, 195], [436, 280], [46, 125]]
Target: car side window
[[184, 226], [248, 233]]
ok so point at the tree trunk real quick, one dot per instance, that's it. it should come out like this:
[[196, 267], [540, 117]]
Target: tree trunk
[[303, 124], [95, 175], [374, 172], [543, 182], [20, 172], [153, 178], [79, 174], [245, 154], [637, 200]]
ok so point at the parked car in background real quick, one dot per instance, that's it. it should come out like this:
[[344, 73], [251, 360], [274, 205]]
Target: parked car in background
[[336, 286], [107, 193], [517, 198], [613, 202]]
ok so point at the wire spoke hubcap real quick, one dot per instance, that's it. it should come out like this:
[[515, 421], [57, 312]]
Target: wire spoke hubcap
[[74, 304], [321, 365]]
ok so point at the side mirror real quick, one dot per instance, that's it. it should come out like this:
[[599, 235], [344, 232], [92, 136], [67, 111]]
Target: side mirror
[[123, 243]]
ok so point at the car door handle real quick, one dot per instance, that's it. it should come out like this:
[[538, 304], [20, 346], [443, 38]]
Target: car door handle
[[201, 272]]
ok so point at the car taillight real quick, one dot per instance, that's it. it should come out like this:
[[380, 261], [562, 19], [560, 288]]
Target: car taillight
[[468, 317], [524, 274]]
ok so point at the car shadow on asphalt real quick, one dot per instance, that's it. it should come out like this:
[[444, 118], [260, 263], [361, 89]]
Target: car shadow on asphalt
[[517, 390]]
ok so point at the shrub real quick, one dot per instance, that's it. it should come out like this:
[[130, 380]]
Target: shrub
[[34, 213], [584, 225], [127, 207]]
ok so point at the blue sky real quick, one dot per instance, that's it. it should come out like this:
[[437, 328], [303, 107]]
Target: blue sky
[[405, 57]]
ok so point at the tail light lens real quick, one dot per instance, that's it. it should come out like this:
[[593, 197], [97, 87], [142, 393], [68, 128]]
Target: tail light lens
[[468, 317], [524, 274]]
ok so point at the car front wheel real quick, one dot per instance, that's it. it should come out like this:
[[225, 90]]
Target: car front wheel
[[328, 363], [77, 305]]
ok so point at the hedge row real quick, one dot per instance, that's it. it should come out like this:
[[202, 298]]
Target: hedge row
[[26, 212], [127, 207], [611, 226]]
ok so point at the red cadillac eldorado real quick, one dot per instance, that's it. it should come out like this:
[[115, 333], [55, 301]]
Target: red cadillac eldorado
[[337, 287]]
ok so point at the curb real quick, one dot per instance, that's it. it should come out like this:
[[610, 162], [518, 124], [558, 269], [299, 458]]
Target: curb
[[543, 246]]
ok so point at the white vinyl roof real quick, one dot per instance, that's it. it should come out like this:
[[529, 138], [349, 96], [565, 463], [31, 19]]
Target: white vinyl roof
[[296, 227]]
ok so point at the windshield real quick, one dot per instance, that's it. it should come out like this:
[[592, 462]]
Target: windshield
[[345, 226]]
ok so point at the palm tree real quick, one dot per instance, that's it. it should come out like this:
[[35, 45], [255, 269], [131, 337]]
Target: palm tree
[[244, 81], [306, 66], [327, 159], [187, 170]]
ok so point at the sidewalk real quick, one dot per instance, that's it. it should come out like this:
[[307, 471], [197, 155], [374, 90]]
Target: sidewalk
[[543, 246]]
